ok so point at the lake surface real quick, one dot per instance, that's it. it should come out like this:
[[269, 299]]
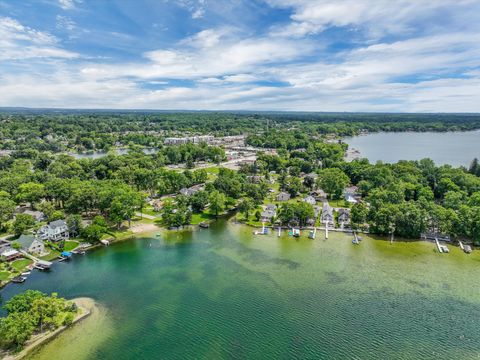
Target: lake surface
[[99, 154], [222, 293], [454, 148]]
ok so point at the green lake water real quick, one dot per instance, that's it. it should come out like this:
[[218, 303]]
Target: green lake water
[[222, 293]]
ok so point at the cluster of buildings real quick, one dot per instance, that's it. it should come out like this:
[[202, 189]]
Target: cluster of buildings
[[326, 214], [34, 244], [226, 141], [189, 139]]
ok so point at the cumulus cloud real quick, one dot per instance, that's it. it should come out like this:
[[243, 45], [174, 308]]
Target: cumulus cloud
[[405, 58]]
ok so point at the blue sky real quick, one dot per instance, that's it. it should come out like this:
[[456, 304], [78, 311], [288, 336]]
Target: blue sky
[[307, 55]]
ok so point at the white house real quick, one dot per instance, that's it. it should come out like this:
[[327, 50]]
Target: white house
[[31, 244], [351, 194], [55, 231], [10, 254]]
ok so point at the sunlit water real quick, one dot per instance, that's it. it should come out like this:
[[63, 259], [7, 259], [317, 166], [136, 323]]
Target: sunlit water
[[453, 148], [222, 293]]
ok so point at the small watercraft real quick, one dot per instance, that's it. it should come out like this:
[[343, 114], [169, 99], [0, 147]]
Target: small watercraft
[[19, 279]]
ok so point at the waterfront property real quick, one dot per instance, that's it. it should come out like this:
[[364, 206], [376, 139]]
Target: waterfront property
[[55, 231], [269, 212], [31, 244], [327, 216], [9, 254]]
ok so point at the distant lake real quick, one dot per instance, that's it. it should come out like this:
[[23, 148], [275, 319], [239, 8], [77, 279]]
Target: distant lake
[[99, 154], [454, 148]]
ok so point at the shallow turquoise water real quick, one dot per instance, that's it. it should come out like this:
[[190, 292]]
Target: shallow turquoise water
[[453, 148], [223, 293]]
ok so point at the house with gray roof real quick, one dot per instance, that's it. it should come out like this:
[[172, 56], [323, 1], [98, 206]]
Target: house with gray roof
[[37, 215], [343, 217], [55, 231], [327, 214], [31, 244], [269, 213], [283, 196]]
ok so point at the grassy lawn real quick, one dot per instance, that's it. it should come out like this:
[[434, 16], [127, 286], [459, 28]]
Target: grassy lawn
[[212, 173], [70, 245], [4, 275], [197, 218], [339, 203], [149, 211], [121, 234], [20, 265], [213, 170], [51, 256]]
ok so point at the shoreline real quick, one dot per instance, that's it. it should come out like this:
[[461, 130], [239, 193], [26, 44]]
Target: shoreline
[[85, 305]]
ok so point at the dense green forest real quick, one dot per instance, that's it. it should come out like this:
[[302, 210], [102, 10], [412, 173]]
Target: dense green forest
[[58, 131]]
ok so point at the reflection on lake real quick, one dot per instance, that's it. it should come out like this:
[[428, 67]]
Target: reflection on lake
[[454, 148]]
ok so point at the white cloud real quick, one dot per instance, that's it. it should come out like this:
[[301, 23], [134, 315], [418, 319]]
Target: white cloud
[[65, 23], [378, 17], [68, 4], [420, 66], [211, 55], [21, 42]]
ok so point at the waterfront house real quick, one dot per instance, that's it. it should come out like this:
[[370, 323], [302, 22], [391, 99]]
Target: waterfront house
[[327, 214], [31, 244], [343, 217], [310, 200], [268, 213], [9, 254], [55, 231], [283, 196]]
